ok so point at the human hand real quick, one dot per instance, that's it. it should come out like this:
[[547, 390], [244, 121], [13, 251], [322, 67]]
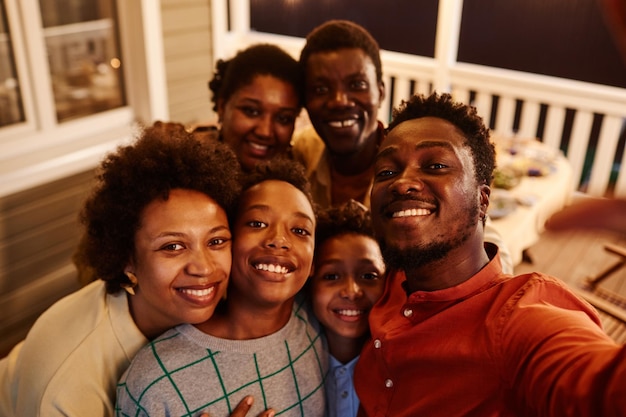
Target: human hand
[[243, 407], [591, 213]]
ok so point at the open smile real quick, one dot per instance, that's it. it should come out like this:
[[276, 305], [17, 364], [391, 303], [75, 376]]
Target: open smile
[[339, 124], [415, 212], [350, 315], [202, 296], [258, 149], [278, 269]]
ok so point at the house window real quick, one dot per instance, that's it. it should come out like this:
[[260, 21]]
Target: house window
[[81, 42], [60, 60], [11, 108]]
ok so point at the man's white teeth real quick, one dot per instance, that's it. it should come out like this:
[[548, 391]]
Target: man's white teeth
[[351, 313], [343, 123], [411, 212], [198, 293], [272, 268]]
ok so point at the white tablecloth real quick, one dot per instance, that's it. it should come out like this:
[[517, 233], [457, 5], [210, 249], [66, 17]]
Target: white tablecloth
[[545, 195]]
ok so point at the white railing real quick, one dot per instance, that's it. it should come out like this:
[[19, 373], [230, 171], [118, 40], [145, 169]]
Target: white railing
[[542, 104], [554, 98], [566, 113]]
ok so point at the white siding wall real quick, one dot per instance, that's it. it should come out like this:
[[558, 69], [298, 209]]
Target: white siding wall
[[188, 57]]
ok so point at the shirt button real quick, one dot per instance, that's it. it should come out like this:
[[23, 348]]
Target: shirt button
[[377, 344], [344, 394], [388, 383], [408, 312]]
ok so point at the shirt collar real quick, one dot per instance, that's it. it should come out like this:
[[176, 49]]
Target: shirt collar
[[487, 276]]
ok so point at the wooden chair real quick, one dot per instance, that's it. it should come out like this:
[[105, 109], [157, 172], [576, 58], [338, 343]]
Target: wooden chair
[[611, 306], [620, 251]]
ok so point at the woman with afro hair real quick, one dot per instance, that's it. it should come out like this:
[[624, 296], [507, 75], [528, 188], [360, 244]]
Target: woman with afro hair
[[158, 240]]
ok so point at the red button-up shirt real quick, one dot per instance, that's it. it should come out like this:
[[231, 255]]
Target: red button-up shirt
[[495, 345]]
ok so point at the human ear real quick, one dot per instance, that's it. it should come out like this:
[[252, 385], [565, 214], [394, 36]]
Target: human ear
[[220, 110], [382, 92], [485, 192]]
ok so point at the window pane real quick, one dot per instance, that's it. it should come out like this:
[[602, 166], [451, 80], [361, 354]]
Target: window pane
[[414, 22], [11, 110], [559, 38], [85, 61]]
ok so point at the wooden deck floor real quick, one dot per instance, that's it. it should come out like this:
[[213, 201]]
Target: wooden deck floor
[[574, 257]]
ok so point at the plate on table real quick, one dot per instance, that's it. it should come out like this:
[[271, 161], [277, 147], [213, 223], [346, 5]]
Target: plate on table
[[501, 203]]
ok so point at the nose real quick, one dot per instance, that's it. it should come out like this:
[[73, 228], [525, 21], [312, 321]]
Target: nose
[[277, 238], [407, 182], [339, 98], [264, 127], [201, 263], [351, 290]]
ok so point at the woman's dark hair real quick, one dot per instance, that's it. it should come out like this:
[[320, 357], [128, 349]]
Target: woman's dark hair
[[351, 217], [165, 157], [341, 34], [464, 117], [261, 59]]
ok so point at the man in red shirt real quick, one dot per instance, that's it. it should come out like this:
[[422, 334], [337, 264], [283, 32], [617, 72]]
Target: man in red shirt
[[453, 335]]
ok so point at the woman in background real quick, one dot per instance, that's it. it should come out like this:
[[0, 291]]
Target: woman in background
[[257, 96]]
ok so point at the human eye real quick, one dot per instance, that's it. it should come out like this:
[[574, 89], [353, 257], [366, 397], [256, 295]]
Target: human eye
[[172, 247], [330, 276], [436, 167], [218, 241], [250, 111], [384, 173], [370, 276], [319, 89], [359, 85], [256, 224], [301, 231], [286, 119]]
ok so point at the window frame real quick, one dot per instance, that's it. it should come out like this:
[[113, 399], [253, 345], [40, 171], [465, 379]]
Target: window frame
[[40, 149]]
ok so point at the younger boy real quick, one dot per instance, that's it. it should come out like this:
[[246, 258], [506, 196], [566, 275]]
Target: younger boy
[[348, 279]]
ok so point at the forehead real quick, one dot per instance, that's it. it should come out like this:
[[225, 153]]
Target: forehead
[[267, 88], [280, 195], [181, 207], [365, 246], [344, 61], [425, 131]]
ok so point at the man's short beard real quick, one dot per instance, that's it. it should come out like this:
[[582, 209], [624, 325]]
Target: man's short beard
[[415, 256]]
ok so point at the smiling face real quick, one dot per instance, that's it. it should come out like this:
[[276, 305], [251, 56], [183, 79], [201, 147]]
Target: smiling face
[[182, 261], [342, 98], [426, 200], [258, 119], [273, 246], [347, 282]]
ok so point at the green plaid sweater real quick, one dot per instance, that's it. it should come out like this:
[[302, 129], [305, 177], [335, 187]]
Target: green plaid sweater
[[185, 372]]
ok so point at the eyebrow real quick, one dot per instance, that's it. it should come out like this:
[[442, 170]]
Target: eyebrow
[[434, 144], [179, 234], [339, 260], [362, 73], [260, 103], [265, 207], [427, 144]]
